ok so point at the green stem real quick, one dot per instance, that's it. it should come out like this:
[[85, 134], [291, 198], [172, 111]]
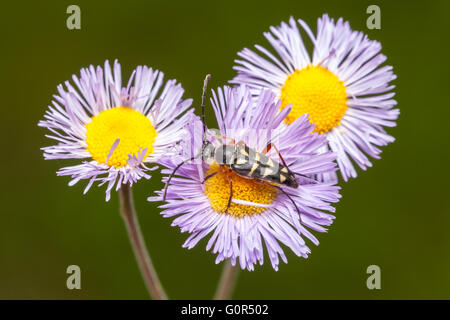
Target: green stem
[[148, 272], [227, 281]]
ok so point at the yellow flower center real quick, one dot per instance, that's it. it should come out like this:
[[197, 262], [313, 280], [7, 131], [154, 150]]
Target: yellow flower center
[[134, 130], [217, 188], [317, 91]]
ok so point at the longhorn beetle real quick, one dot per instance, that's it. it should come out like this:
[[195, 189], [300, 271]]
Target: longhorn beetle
[[244, 161]]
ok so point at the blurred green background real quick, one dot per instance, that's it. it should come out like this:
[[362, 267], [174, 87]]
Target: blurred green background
[[395, 215]]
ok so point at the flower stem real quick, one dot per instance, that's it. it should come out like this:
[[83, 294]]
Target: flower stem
[[227, 281], [148, 272]]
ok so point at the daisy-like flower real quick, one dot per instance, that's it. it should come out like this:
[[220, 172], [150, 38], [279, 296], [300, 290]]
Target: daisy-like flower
[[115, 130], [343, 88], [261, 214]]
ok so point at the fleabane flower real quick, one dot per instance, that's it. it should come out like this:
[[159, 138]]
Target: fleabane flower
[[343, 87], [261, 214], [116, 131]]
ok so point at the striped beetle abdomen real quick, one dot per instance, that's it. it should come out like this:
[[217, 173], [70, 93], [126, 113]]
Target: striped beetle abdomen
[[249, 163]]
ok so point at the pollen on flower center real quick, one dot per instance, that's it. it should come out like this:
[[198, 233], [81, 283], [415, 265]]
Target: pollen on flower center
[[317, 91], [134, 130], [217, 188]]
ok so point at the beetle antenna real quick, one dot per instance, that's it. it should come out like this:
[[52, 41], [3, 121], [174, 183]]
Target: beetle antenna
[[205, 86], [173, 173]]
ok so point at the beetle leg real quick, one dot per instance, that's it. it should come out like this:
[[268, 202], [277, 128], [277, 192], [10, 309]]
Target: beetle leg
[[233, 141], [269, 146], [292, 200], [231, 190], [296, 173], [209, 176], [286, 194], [267, 149]]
